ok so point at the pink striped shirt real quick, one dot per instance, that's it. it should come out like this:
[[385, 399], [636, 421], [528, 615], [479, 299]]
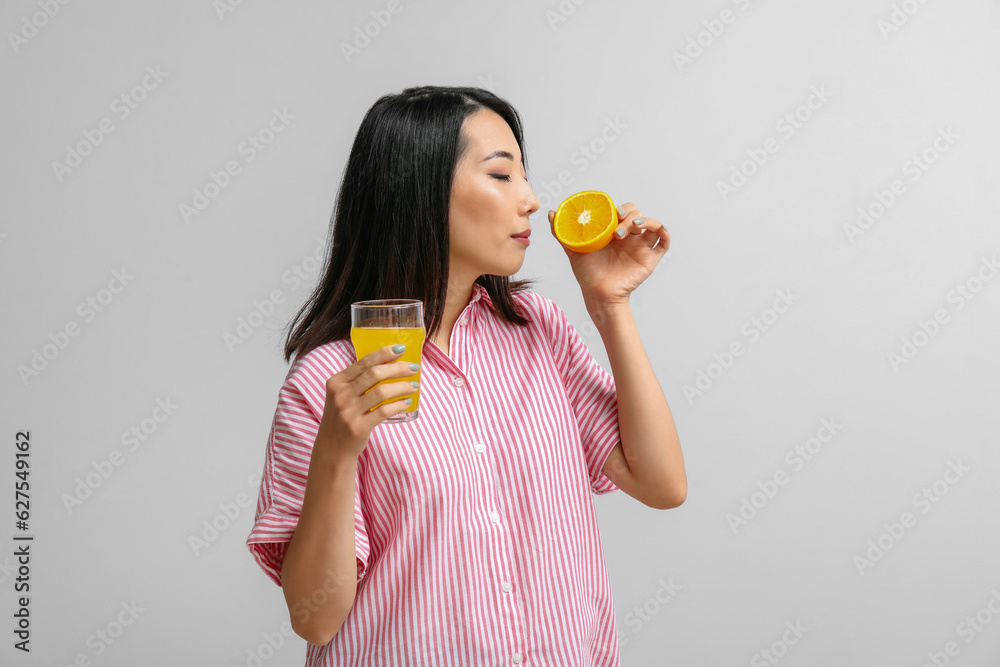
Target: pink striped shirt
[[475, 531]]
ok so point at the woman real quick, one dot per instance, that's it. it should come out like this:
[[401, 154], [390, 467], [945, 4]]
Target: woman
[[467, 536]]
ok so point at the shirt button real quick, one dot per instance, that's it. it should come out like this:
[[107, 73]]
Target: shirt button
[[517, 658], [463, 322], [480, 447], [457, 381], [506, 587], [494, 517]]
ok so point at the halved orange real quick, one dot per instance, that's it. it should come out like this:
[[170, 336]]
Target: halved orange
[[584, 222]]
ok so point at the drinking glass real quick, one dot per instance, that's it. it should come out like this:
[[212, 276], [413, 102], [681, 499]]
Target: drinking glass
[[381, 322]]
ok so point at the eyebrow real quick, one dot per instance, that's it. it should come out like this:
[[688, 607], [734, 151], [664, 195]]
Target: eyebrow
[[499, 154]]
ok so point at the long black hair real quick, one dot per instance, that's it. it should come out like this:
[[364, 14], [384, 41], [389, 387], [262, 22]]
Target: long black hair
[[388, 236]]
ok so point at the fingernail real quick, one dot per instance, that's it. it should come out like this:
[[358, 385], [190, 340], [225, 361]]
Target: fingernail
[[621, 232], [621, 211], [639, 222], [408, 400], [414, 367], [398, 348], [415, 385]]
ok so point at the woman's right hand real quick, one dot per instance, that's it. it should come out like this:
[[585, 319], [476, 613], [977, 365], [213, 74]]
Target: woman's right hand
[[347, 422]]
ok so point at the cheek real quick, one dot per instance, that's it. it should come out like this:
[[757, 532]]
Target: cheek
[[476, 225], [468, 239]]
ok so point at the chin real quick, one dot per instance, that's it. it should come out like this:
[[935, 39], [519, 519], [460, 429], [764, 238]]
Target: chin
[[511, 270], [507, 269]]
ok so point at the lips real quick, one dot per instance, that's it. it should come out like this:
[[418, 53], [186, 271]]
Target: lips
[[522, 235]]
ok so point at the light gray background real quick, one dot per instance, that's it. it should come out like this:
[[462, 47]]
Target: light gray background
[[570, 69]]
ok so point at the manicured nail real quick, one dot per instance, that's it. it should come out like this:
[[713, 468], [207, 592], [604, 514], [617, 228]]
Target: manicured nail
[[639, 222], [621, 232], [398, 348], [408, 400], [414, 367], [415, 385], [621, 211]]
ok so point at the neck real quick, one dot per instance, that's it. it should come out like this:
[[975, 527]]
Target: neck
[[459, 293]]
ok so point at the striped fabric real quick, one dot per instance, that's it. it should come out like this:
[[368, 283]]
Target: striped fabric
[[475, 530]]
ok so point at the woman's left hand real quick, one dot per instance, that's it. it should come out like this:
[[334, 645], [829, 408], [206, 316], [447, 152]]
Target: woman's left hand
[[611, 274]]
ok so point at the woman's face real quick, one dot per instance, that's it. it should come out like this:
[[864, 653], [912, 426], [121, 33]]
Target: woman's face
[[490, 202]]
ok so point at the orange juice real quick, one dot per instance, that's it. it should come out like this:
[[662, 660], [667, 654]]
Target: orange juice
[[366, 340]]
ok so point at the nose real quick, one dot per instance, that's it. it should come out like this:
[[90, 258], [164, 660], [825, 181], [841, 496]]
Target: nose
[[531, 203]]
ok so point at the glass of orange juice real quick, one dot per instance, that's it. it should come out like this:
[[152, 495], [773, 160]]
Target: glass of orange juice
[[381, 322]]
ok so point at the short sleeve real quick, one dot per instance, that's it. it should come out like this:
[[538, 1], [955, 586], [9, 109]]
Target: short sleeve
[[592, 395], [283, 481]]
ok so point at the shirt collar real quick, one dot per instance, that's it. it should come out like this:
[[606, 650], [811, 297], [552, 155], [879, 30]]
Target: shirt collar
[[479, 292]]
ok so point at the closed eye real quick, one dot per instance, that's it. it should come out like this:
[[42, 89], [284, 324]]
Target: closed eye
[[501, 177]]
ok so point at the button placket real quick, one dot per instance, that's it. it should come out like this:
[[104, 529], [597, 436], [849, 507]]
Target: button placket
[[457, 345], [464, 364]]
